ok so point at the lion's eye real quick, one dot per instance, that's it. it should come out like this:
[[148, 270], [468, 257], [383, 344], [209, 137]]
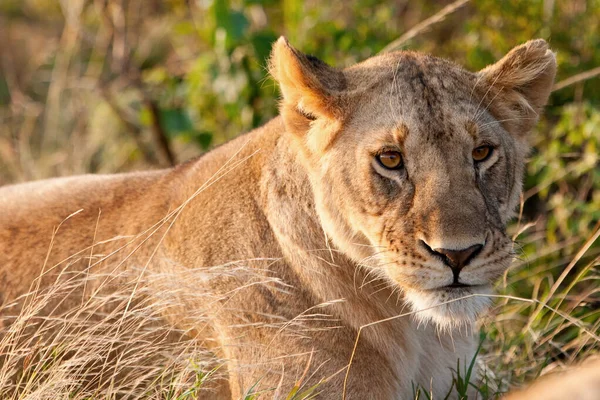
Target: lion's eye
[[390, 159], [482, 153]]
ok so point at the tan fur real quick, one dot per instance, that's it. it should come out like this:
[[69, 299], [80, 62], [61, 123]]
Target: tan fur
[[577, 383], [314, 239]]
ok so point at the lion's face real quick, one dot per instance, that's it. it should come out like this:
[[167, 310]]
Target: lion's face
[[425, 178], [415, 170]]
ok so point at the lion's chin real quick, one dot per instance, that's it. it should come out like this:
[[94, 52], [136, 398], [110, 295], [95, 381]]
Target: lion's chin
[[450, 308]]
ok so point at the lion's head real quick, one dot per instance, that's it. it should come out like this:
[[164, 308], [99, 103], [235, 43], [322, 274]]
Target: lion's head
[[416, 164]]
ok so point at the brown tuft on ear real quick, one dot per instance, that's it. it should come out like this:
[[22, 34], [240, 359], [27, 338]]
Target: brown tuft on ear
[[311, 89], [519, 84]]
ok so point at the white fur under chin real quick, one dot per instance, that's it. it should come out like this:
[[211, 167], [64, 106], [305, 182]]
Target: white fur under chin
[[445, 310]]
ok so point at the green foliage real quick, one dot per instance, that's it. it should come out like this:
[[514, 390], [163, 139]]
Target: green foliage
[[570, 159], [198, 384], [466, 381], [208, 60]]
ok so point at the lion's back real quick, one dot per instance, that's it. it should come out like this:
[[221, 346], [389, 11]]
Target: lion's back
[[48, 225]]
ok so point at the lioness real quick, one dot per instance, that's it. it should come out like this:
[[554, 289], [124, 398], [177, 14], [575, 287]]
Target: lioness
[[581, 382], [383, 187]]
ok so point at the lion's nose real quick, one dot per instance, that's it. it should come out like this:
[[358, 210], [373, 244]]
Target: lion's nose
[[457, 259]]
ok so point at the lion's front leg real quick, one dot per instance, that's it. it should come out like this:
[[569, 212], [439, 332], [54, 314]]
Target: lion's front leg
[[277, 362]]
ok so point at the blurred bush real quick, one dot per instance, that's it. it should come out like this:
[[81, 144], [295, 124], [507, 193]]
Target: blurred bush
[[195, 72]]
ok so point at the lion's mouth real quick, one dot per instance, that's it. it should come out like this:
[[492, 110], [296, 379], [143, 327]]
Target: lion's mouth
[[456, 285], [459, 287]]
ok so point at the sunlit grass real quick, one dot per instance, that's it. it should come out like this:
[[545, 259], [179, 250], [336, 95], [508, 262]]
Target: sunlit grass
[[85, 354]]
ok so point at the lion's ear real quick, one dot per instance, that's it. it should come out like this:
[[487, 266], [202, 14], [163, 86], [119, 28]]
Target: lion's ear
[[311, 89], [519, 84]]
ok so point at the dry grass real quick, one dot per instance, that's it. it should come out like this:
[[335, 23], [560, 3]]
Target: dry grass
[[112, 347], [106, 348]]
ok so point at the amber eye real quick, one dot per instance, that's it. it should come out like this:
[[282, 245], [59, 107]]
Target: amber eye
[[390, 159], [482, 153]]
